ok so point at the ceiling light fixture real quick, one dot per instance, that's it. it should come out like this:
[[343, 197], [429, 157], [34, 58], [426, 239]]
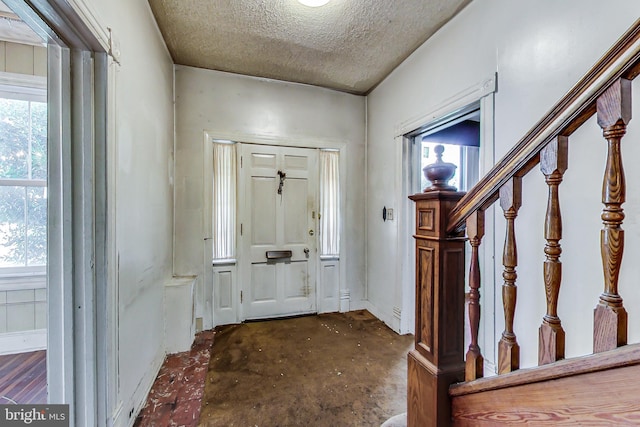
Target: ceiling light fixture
[[314, 3]]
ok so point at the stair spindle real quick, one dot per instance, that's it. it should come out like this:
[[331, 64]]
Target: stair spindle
[[551, 336], [474, 360], [610, 316], [508, 348]]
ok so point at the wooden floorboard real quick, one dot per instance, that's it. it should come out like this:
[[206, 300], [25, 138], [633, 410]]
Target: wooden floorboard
[[175, 398], [23, 378]]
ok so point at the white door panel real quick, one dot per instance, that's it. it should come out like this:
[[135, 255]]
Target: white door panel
[[278, 222], [263, 212]]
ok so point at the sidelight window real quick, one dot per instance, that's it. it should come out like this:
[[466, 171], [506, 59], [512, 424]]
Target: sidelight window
[[329, 203], [224, 196]]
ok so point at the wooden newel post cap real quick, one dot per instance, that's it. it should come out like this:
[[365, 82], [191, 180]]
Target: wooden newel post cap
[[439, 173]]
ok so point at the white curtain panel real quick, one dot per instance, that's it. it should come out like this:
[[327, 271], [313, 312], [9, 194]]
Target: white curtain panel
[[224, 200], [329, 203]]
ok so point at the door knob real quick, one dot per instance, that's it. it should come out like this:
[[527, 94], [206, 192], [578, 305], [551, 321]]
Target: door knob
[[306, 252], [310, 232]]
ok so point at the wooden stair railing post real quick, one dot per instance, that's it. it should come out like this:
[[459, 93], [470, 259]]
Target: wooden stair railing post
[[474, 360], [551, 336], [610, 316], [437, 361], [508, 348]]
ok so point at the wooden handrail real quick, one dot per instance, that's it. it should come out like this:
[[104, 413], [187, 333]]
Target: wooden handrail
[[567, 115]]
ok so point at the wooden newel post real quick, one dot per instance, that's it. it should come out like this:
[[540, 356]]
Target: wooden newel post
[[437, 360]]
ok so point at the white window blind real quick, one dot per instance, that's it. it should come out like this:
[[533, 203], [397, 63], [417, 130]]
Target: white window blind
[[329, 203], [224, 201]]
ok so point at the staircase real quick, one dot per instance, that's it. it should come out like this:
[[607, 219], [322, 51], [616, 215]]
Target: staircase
[[447, 387]]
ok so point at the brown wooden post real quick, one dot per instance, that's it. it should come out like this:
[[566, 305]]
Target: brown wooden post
[[437, 360], [474, 360], [610, 317], [551, 336], [508, 347]]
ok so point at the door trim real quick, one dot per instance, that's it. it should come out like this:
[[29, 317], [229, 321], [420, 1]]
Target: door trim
[[243, 266], [77, 77], [481, 94], [205, 305]]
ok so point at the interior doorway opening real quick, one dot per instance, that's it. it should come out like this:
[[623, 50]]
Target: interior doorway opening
[[23, 212], [465, 128], [79, 300]]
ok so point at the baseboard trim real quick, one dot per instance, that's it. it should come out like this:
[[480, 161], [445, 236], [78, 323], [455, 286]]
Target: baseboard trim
[[388, 320], [139, 398], [345, 301], [23, 341]]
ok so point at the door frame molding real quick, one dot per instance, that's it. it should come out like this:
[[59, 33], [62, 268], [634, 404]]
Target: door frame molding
[[243, 217], [482, 94], [206, 304], [81, 372]]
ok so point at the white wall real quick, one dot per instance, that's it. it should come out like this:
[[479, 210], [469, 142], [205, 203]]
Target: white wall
[[23, 59], [539, 50], [144, 196], [227, 104]]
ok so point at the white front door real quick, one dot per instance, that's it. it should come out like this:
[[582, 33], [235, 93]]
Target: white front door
[[278, 259]]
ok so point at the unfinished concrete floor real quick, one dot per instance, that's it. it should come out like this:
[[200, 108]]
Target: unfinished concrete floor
[[326, 370]]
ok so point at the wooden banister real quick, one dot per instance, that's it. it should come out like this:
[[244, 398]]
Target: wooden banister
[[610, 317], [553, 163], [622, 60], [441, 214], [508, 348], [474, 361]]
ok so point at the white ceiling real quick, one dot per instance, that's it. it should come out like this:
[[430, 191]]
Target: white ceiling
[[347, 45]]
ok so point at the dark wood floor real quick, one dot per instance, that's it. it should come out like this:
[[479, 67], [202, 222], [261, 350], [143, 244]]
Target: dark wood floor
[[23, 378], [176, 396]]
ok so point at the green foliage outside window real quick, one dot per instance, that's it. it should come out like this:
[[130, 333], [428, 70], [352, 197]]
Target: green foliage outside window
[[23, 208]]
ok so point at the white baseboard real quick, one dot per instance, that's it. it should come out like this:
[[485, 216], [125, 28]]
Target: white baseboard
[[23, 341], [387, 318], [345, 301], [116, 415], [139, 398], [358, 305]]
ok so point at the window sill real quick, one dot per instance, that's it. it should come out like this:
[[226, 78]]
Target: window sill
[[24, 281]]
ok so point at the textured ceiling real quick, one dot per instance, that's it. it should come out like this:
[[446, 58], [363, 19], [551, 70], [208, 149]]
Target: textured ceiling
[[348, 45]]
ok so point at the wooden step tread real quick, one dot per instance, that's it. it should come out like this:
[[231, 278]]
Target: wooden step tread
[[628, 355]]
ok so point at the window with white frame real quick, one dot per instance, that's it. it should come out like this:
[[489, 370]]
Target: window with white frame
[[329, 203], [460, 139], [23, 180]]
